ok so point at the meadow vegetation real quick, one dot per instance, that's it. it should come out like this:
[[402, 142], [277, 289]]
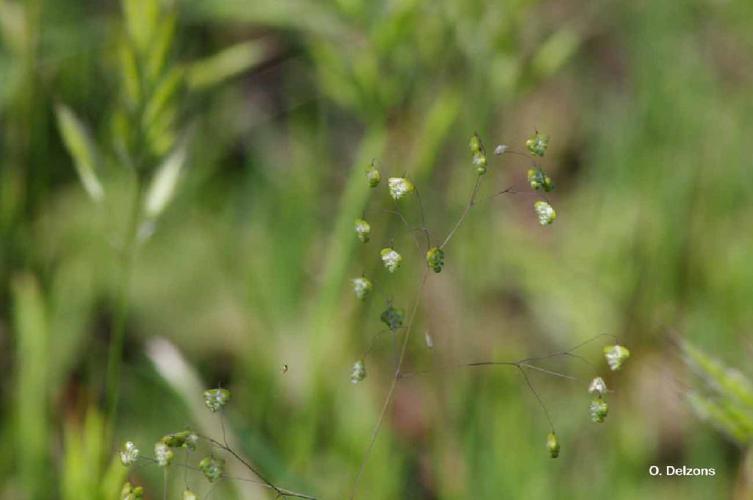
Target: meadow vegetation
[[180, 185]]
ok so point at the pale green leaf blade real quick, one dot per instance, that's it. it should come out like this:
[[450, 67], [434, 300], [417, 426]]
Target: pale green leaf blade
[[162, 187], [31, 399], [728, 382], [80, 146], [227, 63], [725, 419]]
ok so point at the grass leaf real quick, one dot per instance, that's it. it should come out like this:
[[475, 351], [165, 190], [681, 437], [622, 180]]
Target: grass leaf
[[163, 184], [80, 146], [31, 328], [226, 64]]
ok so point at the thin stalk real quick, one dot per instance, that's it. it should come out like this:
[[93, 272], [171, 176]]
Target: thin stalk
[[423, 219], [280, 492], [538, 398], [189, 467], [399, 363], [117, 330], [391, 392], [523, 363], [185, 472], [468, 207], [520, 365]]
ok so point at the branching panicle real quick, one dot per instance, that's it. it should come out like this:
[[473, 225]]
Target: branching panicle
[[400, 327], [538, 180], [211, 466]]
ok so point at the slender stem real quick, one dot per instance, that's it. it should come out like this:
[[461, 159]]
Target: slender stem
[[516, 364], [521, 365], [117, 330], [423, 218], [468, 207], [509, 190], [164, 483], [538, 398], [526, 362], [185, 472], [280, 492], [548, 372], [372, 341], [222, 426], [391, 392], [189, 467], [399, 363], [412, 230], [569, 352], [525, 155]]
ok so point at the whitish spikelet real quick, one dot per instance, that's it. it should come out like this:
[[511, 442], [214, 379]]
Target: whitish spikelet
[[363, 230], [544, 212], [129, 454], [361, 287], [163, 455], [391, 259], [616, 355], [215, 399], [358, 373], [598, 386], [399, 187]]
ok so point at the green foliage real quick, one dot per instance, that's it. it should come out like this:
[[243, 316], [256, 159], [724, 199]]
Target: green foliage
[[725, 397], [84, 475], [82, 149], [218, 68], [32, 430], [249, 265]]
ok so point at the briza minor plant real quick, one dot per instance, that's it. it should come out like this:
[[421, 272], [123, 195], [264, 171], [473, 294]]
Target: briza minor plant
[[198, 454], [436, 257]]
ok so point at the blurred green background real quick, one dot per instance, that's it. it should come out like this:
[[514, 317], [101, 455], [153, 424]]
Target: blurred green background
[[267, 112]]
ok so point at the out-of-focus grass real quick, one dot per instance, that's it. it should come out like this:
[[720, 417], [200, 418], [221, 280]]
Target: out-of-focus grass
[[648, 106], [32, 415]]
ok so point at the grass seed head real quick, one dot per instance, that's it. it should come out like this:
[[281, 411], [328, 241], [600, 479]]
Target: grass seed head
[[163, 454], [216, 399], [373, 176], [598, 386], [553, 445], [393, 317], [537, 144], [212, 468], [129, 454], [435, 259], [358, 373], [391, 259], [599, 410], [363, 230], [362, 287], [399, 187], [544, 212], [616, 355], [130, 492]]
